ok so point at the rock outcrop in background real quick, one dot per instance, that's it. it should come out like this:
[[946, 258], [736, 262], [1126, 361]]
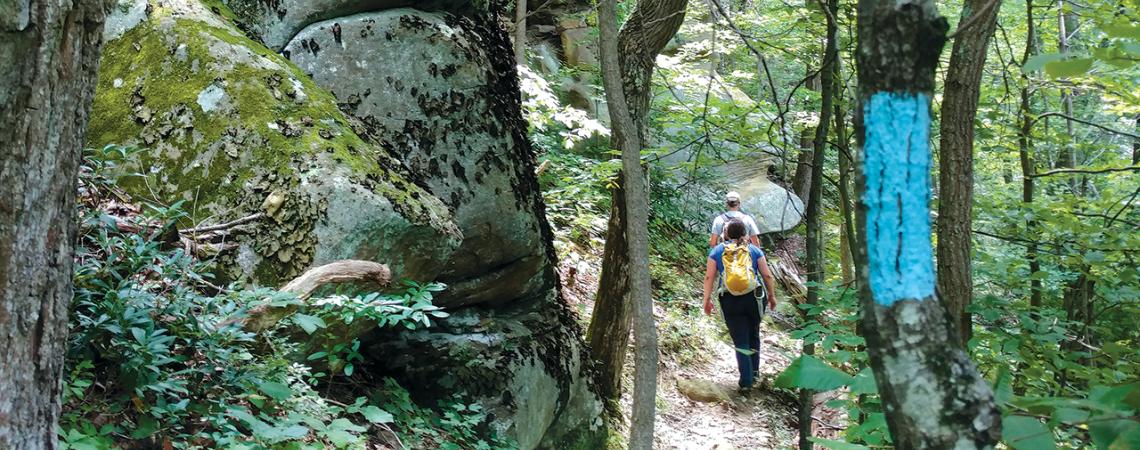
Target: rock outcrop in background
[[394, 135]]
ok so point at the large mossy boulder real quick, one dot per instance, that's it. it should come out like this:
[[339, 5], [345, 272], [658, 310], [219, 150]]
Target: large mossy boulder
[[430, 86], [418, 158], [234, 129]]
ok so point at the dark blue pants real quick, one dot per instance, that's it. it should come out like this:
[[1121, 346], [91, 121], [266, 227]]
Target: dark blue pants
[[742, 315]]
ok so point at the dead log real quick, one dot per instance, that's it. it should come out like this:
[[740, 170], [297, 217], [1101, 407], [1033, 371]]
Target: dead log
[[344, 271]]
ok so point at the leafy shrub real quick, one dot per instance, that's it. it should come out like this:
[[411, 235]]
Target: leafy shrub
[[158, 355]]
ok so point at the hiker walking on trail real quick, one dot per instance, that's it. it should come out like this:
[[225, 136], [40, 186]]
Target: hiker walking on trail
[[742, 295], [732, 207]]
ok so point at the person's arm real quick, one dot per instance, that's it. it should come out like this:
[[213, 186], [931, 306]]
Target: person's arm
[[754, 231], [710, 276], [769, 283], [713, 240]]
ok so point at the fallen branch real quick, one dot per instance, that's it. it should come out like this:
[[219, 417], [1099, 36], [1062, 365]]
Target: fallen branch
[[343, 271]]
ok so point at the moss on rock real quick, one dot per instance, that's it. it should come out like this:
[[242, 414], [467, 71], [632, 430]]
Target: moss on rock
[[232, 128]]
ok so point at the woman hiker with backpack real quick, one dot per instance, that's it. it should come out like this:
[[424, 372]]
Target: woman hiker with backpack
[[742, 295]]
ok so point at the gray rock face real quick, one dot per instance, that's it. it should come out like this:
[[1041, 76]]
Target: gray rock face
[[424, 85], [276, 22], [428, 85], [775, 208], [233, 129]]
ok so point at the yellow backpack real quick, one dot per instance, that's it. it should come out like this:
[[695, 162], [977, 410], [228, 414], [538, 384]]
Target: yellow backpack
[[739, 274]]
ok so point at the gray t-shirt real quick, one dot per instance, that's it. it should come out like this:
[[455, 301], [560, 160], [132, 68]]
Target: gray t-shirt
[[719, 221]]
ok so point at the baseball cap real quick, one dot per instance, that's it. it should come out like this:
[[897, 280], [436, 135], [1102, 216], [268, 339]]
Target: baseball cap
[[732, 196]]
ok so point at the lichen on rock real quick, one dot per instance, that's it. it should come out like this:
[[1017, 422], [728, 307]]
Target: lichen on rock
[[424, 84], [225, 124]]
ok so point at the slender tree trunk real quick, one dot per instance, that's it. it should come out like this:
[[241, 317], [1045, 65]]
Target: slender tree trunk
[[51, 52], [932, 393], [1028, 169], [1136, 144], [520, 32], [1025, 154], [801, 180], [847, 241], [956, 158], [649, 28], [814, 224], [626, 136], [1077, 298], [608, 333], [846, 263]]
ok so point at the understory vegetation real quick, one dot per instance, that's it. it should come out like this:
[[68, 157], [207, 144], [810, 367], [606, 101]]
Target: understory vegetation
[[159, 356]]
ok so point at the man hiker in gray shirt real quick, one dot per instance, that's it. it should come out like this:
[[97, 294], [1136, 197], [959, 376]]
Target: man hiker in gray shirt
[[732, 204]]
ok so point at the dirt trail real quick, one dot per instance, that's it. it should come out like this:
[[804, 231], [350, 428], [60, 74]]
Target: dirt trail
[[764, 419], [759, 420]]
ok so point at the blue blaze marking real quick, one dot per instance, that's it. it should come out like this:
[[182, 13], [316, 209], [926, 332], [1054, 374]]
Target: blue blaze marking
[[896, 172]]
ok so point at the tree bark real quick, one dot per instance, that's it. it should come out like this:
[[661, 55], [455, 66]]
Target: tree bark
[[608, 332], [932, 393], [647, 30], [626, 137], [1025, 155], [1136, 145], [815, 195], [956, 159], [520, 32], [847, 235], [50, 51], [801, 180]]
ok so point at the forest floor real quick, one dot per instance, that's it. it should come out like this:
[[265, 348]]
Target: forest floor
[[696, 351]]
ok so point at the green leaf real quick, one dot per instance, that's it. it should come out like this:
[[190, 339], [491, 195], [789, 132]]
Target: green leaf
[[1122, 29], [282, 433], [1003, 388], [864, 383], [309, 323], [377, 415], [1105, 430], [276, 391], [1128, 440], [146, 427], [341, 432], [807, 372], [1037, 62], [1068, 68], [838, 445], [1026, 433]]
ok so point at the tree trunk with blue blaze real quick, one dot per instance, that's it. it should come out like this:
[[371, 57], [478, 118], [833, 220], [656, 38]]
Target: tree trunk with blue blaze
[[932, 393]]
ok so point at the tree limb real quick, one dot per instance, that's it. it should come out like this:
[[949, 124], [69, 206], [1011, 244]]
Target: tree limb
[[1085, 171], [1086, 122]]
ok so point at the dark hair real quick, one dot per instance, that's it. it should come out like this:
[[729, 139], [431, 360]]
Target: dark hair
[[735, 230], [732, 203]]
